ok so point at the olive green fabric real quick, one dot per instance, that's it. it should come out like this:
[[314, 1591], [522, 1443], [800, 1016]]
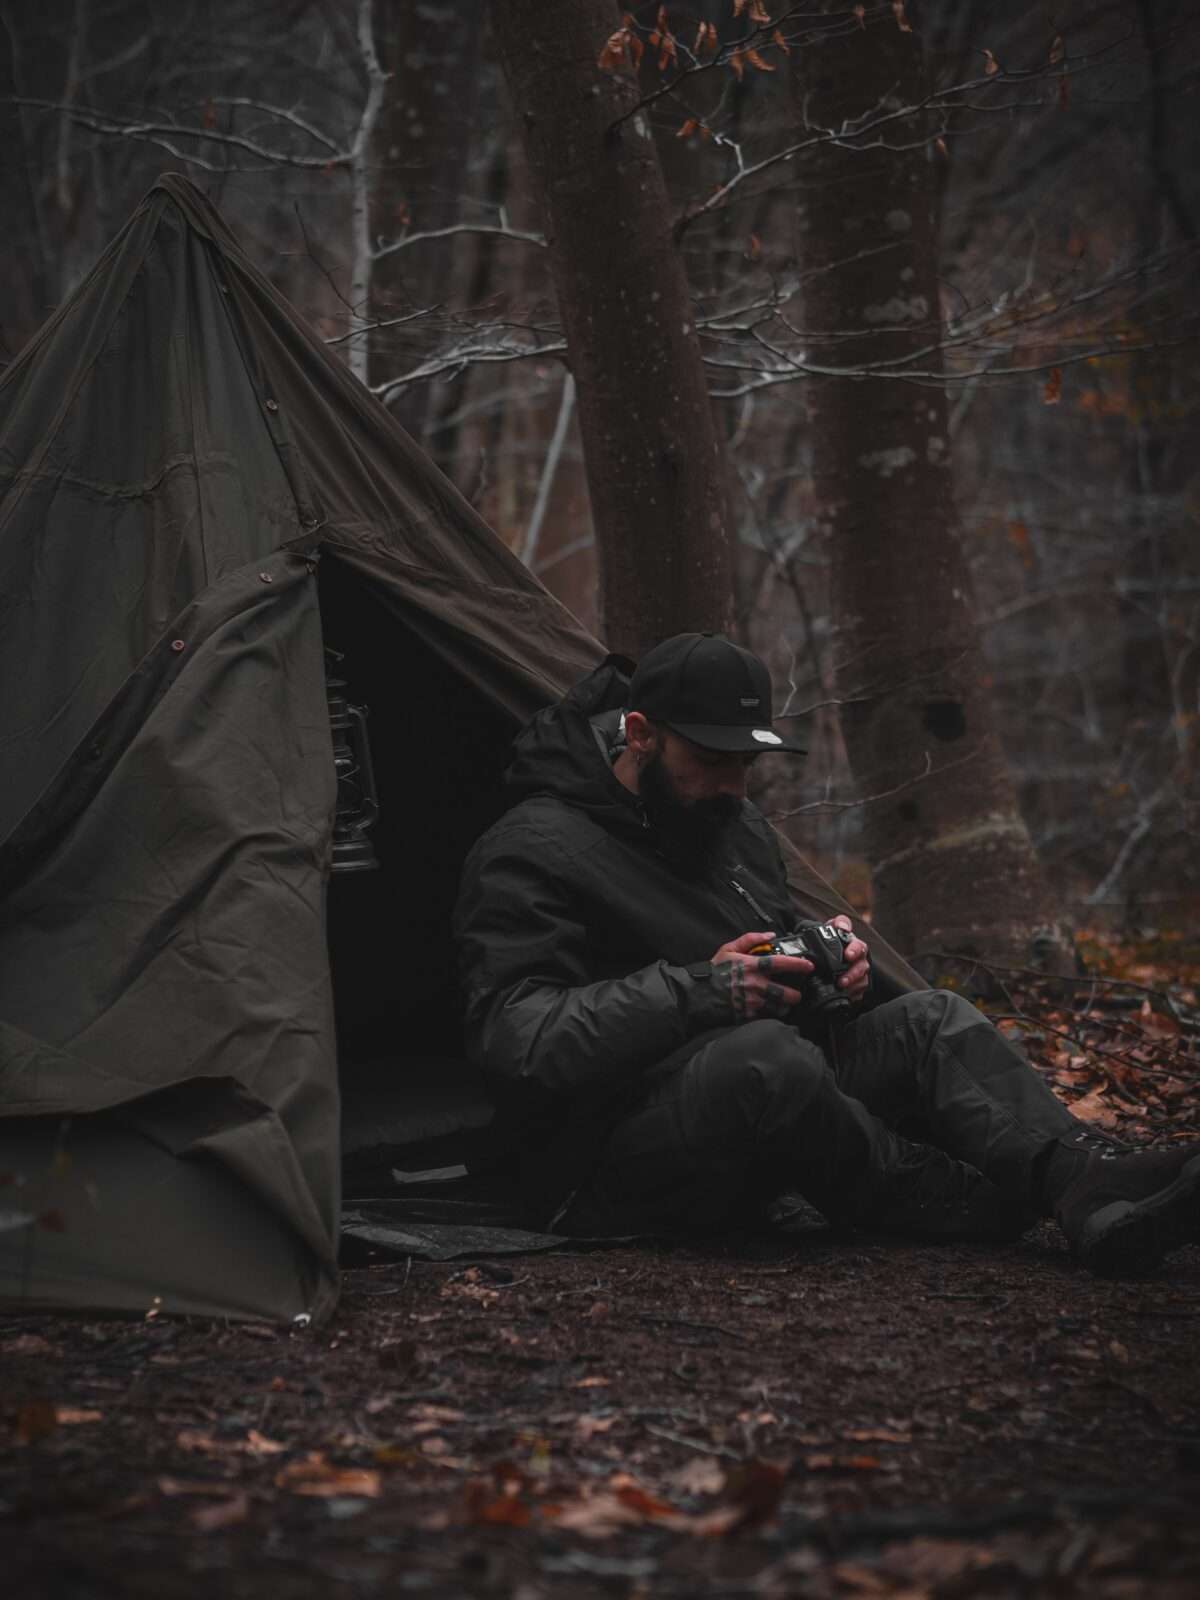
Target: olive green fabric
[[177, 451], [176, 446]]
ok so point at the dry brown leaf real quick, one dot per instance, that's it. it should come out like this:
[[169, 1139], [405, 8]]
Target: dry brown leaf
[[706, 39], [686, 129], [27, 1344], [431, 1413], [902, 21], [934, 1563], [174, 1487], [1158, 1023], [700, 1475], [991, 65], [316, 1477], [1093, 1107], [1058, 49], [254, 1444], [595, 1515], [36, 1419], [593, 1383], [877, 1436], [67, 1415], [482, 1504], [225, 1514], [588, 1426], [1052, 390]]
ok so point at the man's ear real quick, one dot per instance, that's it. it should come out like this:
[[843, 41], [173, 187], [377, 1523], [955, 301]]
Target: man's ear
[[641, 736]]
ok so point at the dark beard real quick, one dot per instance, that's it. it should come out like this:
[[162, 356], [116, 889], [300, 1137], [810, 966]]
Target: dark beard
[[688, 834]]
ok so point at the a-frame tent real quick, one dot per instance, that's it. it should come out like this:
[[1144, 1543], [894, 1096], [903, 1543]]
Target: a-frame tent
[[196, 497]]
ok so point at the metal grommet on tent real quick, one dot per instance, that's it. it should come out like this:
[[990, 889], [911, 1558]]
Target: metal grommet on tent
[[266, 577], [177, 645]]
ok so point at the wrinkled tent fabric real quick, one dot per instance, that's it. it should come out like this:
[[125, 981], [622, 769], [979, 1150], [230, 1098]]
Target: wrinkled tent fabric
[[177, 448]]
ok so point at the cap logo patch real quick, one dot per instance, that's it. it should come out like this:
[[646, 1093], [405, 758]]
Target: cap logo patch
[[749, 700], [765, 736]]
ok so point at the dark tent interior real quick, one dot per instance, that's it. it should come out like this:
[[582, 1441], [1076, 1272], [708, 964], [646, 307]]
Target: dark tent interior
[[438, 749]]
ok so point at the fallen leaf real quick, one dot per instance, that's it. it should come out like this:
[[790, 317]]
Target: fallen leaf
[[431, 1413], [593, 1383], [752, 1492], [174, 1487], [224, 1514], [67, 1415], [877, 1435], [902, 21], [700, 1475], [482, 1504], [991, 65], [36, 1419], [1052, 389], [316, 1477], [27, 1344], [1093, 1107], [588, 1426], [1159, 1024], [254, 1444]]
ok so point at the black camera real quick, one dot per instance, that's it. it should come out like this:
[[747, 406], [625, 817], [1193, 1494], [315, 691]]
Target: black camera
[[825, 946]]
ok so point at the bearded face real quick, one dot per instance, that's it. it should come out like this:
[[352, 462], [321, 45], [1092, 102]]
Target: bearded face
[[689, 831]]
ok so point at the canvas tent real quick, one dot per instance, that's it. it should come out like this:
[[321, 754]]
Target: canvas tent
[[195, 497]]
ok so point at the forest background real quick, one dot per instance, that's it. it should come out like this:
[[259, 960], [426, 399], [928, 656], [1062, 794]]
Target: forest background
[[866, 331]]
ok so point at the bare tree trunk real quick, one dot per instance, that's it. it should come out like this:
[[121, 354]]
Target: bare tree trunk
[[360, 194], [429, 52], [953, 865], [654, 460]]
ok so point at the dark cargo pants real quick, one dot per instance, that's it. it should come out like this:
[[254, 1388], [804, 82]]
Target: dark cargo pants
[[759, 1110]]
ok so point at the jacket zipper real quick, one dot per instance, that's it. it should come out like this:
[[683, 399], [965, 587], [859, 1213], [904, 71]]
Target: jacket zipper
[[741, 889]]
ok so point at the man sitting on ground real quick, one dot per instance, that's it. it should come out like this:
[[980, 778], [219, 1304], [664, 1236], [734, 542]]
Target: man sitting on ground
[[654, 1069]]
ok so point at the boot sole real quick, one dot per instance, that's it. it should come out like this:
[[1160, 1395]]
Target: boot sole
[[1132, 1236]]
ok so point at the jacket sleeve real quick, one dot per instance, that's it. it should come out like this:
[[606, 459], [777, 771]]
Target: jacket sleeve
[[536, 1018]]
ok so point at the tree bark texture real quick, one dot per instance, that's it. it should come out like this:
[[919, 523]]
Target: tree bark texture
[[429, 51], [952, 861], [655, 464]]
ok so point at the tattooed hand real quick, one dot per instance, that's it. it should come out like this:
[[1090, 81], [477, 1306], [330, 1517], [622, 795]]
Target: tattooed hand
[[756, 986]]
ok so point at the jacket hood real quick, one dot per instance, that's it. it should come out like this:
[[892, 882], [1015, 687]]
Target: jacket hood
[[560, 752]]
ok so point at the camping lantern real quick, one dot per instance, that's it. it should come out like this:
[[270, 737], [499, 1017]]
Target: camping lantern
[[357, 805]]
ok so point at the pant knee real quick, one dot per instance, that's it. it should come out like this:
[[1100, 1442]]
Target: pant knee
[[764, 1072], [935, 1008]]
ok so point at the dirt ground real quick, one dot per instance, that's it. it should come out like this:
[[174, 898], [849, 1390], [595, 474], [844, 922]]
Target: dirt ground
[[808, 1414], [812, 1415]]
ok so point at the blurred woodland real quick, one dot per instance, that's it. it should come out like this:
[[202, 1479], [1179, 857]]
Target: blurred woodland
[[934, 264]]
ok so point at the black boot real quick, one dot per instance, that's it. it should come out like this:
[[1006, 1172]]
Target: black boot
[[1123, 1212], [943, 1200]]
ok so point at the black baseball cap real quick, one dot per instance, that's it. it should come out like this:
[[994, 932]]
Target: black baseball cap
[[711, 691]]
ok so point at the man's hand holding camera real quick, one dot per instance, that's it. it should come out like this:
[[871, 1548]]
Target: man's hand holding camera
[[760, 984]]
